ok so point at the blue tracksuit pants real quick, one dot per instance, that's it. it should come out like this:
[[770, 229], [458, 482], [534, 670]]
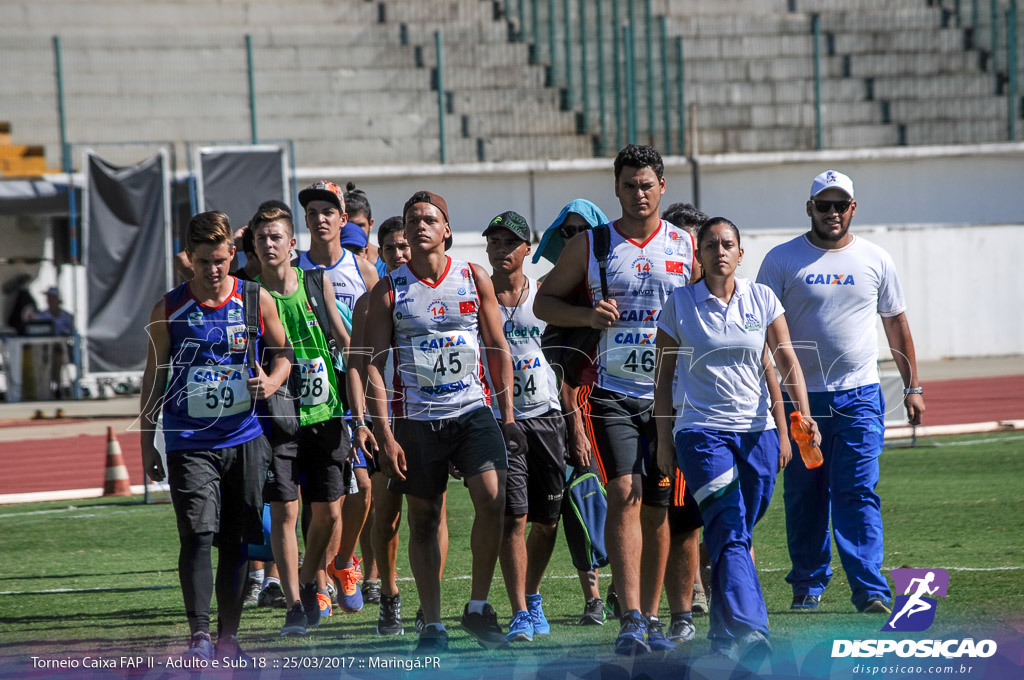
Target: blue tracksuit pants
[[732, 475], [852, 428]]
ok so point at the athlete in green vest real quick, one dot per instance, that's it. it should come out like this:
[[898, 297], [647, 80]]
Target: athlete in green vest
[[318, 457]]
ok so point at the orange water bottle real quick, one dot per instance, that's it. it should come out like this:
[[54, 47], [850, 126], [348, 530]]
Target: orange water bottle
[[809, 451]]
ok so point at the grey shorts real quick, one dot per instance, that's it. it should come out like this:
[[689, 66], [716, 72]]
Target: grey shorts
[[472, 442], [317, 461], [220, 490], [536, 480]]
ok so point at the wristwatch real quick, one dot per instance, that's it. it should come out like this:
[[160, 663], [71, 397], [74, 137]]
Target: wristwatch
[[914, 390]]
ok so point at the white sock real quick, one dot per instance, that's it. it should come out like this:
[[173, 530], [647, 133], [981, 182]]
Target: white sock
[[256, 575], [270, 579], [477, 606]]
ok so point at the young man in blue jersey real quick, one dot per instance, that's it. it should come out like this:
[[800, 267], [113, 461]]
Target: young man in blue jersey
[[217, 456], [648, 258], [439, 314]]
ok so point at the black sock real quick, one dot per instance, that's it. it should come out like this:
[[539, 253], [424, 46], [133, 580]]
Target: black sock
[[195, 574], [682, 616]]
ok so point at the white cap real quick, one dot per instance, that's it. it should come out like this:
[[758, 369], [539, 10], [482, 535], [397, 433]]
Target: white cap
[[830, 179]]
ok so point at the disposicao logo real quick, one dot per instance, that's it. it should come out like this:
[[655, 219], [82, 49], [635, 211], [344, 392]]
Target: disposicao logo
[[913, 612]]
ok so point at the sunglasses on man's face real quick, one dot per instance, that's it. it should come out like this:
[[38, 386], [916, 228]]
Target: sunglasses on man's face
[[569, 230], [826, 207]]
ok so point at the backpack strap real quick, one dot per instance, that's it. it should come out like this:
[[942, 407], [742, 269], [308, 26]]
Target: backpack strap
[[602, 246], [251, 308], [314, 280]]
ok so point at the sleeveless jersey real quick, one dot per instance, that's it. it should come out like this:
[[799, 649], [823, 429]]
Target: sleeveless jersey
[[640, 278], [438, 372], [207, 405], [319, 399], [535, 388], [344, 275]]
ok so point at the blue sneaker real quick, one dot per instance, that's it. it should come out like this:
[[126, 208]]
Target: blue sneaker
[[521, 628], [535, 605], [632, 635], [200, 646], [656, 639]]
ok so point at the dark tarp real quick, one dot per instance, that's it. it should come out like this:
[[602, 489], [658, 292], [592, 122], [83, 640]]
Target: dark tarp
[[126, 259], [235, 180]]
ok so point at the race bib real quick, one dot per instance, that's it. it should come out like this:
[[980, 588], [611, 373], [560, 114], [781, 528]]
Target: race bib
[[531, 380], [316, 383], [216, 391], [630, 354], [444, 358]]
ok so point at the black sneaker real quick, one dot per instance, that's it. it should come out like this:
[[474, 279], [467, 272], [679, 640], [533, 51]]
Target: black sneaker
[[308, 595], [228, 647], [371, 592], [252, 592], [420, 622], [432, 640], [593, 613], [294, 621], [805, 602], [612, 600], [484, 627], [272, 596], [390, 620]]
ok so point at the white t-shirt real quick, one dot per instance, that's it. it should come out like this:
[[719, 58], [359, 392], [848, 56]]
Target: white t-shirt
[[719, 382], [831, 298]]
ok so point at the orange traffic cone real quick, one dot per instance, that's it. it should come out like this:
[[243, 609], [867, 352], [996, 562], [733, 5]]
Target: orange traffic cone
[[115, 481]]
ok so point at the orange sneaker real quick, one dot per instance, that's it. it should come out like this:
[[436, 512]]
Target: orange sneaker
[[324, 601], [350, 598]]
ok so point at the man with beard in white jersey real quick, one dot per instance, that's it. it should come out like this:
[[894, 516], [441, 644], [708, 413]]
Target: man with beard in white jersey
[[832, 284], [436, 312], [648, 258], [536, 478]]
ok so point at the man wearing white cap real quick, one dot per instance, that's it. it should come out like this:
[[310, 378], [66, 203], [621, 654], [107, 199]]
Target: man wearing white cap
[[832, 283]]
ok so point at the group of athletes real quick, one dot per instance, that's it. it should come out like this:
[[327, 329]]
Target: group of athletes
[[440, 369]]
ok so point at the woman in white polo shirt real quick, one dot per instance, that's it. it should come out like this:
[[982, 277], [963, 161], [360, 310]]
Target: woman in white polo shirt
[[716, 403]]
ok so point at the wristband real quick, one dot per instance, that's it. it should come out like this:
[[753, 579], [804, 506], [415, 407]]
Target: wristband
[[356, 424], [914, 390]]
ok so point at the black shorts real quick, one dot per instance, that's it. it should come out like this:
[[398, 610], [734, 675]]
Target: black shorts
[[317, 460], [536, 480], [683, 513], [220, 491], [624, 439], [472, 442]]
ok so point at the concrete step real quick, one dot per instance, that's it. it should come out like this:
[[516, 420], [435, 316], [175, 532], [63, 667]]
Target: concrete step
[[899, 41], [957, 132], [961, 108], [512, 124], [865, 65], [454, 11], [850, 136], [917, 18], [508, 100], [529, 148], [903, 88]]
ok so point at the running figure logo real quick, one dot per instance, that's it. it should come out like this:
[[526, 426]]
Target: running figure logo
[[914, 610]]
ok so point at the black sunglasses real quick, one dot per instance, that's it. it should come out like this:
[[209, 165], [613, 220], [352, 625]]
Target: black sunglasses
[[568, 231], [826, 207]]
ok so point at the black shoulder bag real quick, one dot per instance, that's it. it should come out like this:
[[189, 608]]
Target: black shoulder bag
[[283, 405], [571, 349]]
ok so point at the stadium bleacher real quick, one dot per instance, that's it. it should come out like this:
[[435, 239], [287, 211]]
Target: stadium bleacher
[[354, 82]]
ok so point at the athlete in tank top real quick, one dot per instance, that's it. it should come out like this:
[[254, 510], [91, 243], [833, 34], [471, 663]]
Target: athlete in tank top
[[640, 278]]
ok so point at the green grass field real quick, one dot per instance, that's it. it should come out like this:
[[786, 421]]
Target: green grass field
[[956, 505]]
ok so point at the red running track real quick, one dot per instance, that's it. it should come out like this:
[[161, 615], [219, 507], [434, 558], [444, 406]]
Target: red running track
[[79, 462]]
